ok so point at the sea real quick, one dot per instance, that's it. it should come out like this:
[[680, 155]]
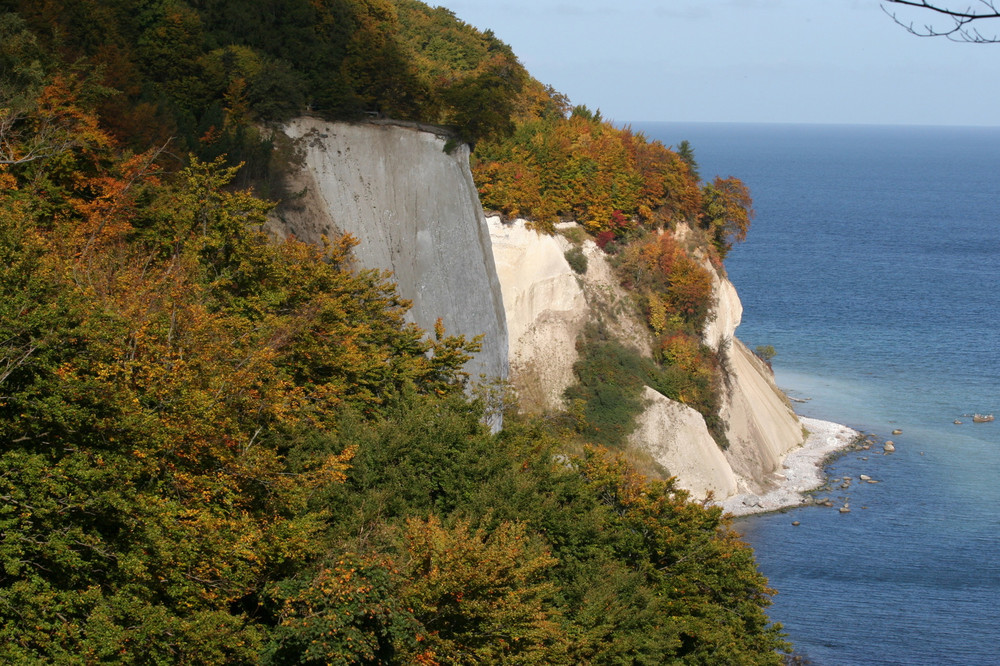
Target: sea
[[873, 268]]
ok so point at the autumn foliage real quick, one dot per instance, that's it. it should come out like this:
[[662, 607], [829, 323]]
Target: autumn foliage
[[583, 168], [635, 197], [216, 448], [162, 358]]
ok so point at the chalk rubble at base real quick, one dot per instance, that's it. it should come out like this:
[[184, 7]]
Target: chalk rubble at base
[[802, 470]]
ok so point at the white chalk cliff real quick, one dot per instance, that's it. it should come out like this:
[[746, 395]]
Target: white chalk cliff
[[760, 424], [415, 210], [545, 309], [676, 437], [547, 305]]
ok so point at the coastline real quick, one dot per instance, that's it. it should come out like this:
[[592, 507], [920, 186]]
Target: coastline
[[802, 470]]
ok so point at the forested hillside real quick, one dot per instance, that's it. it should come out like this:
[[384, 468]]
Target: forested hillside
[[216, 448]]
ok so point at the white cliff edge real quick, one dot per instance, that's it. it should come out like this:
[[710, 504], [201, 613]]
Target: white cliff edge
[[760, 424], [547, 305], [415, 210], [676, 437], [545, 309]]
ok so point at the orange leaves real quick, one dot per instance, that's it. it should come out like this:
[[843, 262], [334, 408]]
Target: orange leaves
[[684, 351], [671, 282], [584, 168], [328, 469], [690, 289], [52, 125], [108, 205], [58, 107]]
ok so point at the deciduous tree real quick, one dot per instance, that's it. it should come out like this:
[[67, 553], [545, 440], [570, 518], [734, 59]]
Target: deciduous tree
[[727, 212]]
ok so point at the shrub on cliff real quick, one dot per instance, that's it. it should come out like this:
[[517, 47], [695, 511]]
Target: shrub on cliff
[[607, 396], [727, 212], [609, 385], [577, 260]]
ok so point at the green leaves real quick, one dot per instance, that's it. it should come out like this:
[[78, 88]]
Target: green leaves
[[347, 611], [161, 360]]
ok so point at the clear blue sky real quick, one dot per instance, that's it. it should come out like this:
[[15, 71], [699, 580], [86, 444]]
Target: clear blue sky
[[802, 61]]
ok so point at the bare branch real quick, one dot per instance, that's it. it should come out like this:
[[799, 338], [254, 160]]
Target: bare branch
[[960, 29], [19, 146], [13, 364]]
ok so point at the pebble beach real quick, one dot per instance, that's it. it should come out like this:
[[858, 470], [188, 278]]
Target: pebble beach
[[802, 470]]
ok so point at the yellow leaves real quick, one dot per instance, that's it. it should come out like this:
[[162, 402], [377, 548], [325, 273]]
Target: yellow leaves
[[683, 351], [657, 313], [7, 180], [585, 168], [331, 469], [471, 584], [337, 252]]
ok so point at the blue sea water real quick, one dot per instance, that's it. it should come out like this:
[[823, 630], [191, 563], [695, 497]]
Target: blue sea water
[[873, 267]]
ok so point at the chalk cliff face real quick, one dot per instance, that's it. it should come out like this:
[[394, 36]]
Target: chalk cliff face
[[678, 439], [545, 309], [415, 210], [761, 426], [547, 305]]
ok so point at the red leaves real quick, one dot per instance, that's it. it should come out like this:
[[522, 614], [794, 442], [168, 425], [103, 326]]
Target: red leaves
[[604, 238]]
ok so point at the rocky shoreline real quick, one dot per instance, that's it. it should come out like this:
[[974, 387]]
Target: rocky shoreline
[[802, 470]]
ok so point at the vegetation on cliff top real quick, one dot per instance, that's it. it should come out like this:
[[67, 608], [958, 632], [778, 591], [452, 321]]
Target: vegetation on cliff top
[[218, 449], [202, 72]]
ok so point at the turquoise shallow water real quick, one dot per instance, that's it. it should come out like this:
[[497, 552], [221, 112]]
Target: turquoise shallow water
[[873, 267]]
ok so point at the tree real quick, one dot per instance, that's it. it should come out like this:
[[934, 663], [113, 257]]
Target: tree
[[480, 598], [962, 26], [37, 116], [481, 105], [686, 153], [727, 212]]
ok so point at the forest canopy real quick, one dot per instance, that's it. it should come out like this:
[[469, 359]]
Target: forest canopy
[[221, 449]]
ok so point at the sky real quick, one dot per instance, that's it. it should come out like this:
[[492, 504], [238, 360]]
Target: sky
[[784, 61]]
